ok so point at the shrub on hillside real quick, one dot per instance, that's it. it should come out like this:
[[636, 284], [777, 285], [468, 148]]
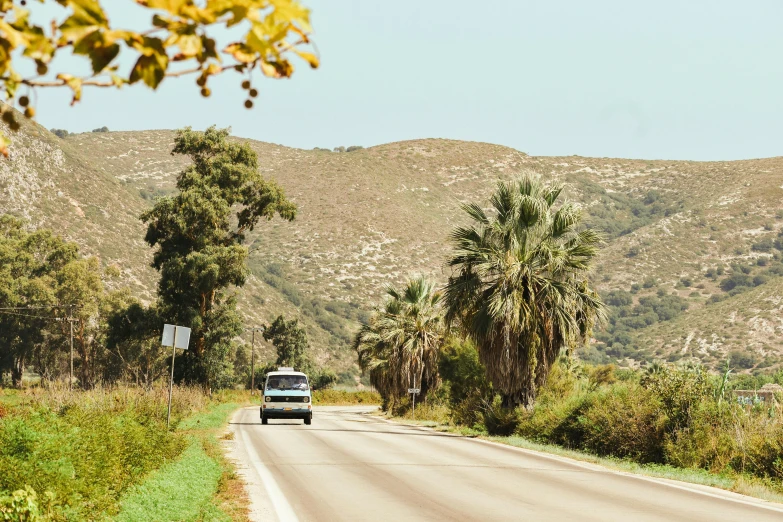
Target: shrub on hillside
[[101, 129], [60, 133]]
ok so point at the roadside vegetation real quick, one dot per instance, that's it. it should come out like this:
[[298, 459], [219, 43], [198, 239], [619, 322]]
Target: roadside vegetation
[[496, 354], [104, 454]]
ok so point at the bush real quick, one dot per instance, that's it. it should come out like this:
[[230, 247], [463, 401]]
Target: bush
[[343, 397], [765, 245], [20, 506], [101, 129], [461, 371], [323, 379], [60, 133], [735, 281], [625, 421], [499, 420], [353, 148]]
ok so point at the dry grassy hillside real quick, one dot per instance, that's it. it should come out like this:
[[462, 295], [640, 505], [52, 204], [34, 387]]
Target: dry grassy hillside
[[372, 217]]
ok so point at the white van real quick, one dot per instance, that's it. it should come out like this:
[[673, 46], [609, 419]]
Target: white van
[[287, 396]]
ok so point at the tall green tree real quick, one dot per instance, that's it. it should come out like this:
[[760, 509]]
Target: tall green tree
[[520, 289], [198, 235], [399, 346]]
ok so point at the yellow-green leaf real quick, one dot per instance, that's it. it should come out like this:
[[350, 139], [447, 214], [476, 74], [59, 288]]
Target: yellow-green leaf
[[87, 17], [150, 69], [74, 83], [241, 52], [309, 57]]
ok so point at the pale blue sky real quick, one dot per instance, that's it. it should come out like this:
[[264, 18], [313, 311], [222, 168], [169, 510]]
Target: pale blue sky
[[667, 79]]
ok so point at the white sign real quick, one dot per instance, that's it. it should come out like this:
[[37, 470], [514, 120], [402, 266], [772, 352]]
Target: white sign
[[182, 337], [168, 335], [414, 390]]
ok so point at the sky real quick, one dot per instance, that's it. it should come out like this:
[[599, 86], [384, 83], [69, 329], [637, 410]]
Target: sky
[[698, 80]]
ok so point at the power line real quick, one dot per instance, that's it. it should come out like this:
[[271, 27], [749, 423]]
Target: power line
[[28, 315], [39, 307]]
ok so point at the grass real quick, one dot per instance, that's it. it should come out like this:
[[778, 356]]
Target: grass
[[182, 490], [106, 454], [202, 484]]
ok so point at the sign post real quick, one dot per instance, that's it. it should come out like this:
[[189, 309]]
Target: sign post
[[414, 392], [176, 337]]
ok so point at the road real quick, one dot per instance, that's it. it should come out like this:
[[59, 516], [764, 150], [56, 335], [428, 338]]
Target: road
[[353, 466]]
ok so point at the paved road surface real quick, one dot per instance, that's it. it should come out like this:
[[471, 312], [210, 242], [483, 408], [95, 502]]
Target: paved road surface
[[351, 466]]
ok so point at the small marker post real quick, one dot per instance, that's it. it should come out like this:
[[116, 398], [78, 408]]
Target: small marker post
[[170, 338]]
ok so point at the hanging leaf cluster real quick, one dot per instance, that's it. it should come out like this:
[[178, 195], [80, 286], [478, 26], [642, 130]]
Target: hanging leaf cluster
[[178, 42]]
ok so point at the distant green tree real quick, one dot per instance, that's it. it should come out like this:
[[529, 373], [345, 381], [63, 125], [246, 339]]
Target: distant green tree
[[44, 280], [290, 341], [101, 129], [132, 341], [60, 133], [198, 235], [29, 263], [399, 347]]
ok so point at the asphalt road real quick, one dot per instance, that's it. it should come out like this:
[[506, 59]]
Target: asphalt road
[[349, 465]]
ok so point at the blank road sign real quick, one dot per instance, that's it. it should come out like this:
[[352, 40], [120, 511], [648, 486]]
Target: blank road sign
[[183, 336], [168, 335], [414, 390]]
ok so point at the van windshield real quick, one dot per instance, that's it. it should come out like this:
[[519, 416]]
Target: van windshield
[[287, 382]]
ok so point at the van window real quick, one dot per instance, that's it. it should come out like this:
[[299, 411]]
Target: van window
[[287, 382]]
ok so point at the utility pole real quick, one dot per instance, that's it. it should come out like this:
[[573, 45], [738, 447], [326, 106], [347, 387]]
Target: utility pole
[[70, 375], [253, 360]]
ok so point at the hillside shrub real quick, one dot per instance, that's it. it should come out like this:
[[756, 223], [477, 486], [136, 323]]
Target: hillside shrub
[[60, 133], [101, 129], [736, 280]]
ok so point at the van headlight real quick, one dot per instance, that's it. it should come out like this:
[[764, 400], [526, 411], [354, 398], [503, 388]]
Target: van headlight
[[268, 398], [307, 399]]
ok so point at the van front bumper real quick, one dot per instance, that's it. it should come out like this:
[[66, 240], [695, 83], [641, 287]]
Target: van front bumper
[[285, 412]]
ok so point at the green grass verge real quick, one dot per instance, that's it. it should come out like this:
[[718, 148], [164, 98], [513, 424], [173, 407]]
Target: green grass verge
[[193, 487], [182, 490]]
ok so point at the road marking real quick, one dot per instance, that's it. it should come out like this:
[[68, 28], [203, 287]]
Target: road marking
[[284, 511]]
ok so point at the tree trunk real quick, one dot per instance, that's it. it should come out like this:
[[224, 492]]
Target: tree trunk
[[17, 371], [525, 398]]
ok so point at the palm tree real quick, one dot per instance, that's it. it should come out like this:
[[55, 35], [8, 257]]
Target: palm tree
[[520, 288], [399, 346]]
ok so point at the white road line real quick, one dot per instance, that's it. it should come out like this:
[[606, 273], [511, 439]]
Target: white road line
[[284, 511]]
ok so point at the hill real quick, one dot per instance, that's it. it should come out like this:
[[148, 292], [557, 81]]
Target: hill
[[691, 264]]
